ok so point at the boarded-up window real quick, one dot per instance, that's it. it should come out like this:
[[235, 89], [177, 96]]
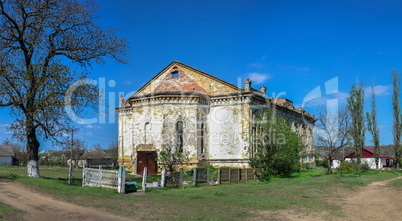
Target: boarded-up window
[[202, 137], [179, 136], [147, 129]]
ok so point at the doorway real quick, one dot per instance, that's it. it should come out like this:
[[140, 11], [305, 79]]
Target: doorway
[[147, 159]]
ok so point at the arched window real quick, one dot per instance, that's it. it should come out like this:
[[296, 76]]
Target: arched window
[[179, 136]]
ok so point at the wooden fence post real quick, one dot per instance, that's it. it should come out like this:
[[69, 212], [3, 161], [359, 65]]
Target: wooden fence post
[[219, 176], [100, 176], [83, 176], [163, 178], [70, 173], [230, 175], [144, 179], [181, 178], [195, 176], [121, 180], [208, 175], [238, 175]]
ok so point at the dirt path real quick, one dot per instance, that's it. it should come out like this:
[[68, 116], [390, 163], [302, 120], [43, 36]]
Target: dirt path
[[374, 202], [41, 207]]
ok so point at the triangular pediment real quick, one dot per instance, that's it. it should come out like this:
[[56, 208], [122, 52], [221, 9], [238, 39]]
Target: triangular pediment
[[179, 77]]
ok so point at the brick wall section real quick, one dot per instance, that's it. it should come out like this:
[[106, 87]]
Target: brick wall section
[[181, 83]]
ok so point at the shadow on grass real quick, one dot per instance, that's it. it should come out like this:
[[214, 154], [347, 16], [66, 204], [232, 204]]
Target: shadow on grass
[[75, 181]]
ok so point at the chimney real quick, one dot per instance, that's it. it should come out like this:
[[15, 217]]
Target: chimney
[[247, 84], [263, 89], [121, 101]]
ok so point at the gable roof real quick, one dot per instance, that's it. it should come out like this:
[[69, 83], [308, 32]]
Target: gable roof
[[368, 153], [6, 151], [182, 65], [182, 83]]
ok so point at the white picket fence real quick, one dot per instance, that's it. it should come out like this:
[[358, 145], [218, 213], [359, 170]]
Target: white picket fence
[[100, 178]]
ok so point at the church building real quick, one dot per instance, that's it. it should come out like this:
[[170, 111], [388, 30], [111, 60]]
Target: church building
[[202, 116]]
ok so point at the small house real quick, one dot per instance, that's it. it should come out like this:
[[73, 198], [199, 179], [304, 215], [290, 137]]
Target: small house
[[368, 157], [96, 158], [6, 155]]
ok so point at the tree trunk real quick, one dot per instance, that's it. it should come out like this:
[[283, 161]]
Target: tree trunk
[[376, 163], [32, 149], [329, 170]]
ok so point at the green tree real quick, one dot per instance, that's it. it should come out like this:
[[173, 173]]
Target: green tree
[[275, 146], [356, 109], [38, 38], [372, 126], [170, 157], [397, 130]]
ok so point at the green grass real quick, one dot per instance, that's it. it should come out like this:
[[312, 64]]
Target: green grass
[[308, 190], [396, 184], [9, 213]]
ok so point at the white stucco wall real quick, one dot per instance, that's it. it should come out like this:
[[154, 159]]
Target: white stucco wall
[[369, 161]]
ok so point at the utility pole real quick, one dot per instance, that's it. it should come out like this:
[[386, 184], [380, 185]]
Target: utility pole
[[70, 171]]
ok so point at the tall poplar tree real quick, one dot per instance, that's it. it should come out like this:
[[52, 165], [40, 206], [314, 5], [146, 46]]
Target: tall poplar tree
[[397, 118], [372, 126], [356, 108]]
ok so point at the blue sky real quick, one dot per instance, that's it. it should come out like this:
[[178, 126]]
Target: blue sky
[[288, 46]]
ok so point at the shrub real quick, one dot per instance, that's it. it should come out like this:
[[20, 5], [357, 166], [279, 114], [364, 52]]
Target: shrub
[[346, 166], [365, 167]]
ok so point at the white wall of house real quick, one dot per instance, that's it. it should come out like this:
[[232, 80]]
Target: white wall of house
[[369, 161]]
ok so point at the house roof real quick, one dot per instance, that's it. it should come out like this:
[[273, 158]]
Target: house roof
[[94, 154], [177, 63], [368, 153], [6, 151], [167, 85]]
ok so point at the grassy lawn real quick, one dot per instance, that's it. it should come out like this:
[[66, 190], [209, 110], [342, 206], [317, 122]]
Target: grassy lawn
[[9, 213], [304, 191], [396, 184]]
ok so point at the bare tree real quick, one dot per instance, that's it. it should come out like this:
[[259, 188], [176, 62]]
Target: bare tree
[[333, 133], [356, 108], [372, 126], [113, 150], [397, 131], [37, 38]]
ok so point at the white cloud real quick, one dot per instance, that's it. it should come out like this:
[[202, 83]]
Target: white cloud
[[258, 78], [256, 65], [380, 90], [322, 100], [89, 126]]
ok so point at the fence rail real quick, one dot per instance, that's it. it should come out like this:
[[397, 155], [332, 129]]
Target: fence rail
[[101, 178], [202, 176], [226, 175]]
